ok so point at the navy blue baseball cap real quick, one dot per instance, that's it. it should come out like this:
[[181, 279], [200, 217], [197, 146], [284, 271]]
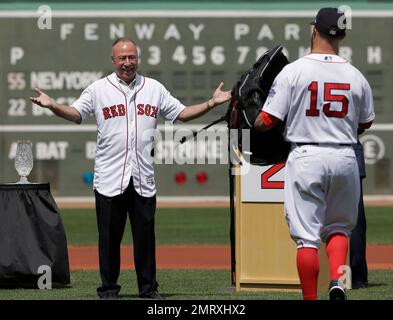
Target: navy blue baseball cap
[[330, 21]]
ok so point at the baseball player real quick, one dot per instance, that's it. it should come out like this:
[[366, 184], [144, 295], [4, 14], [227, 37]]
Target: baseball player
[[126, 106], [324, 100]]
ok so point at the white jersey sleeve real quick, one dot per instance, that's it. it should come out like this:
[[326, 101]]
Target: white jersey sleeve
[[170, 106], [84, 104], [367, 109], [278, 100]]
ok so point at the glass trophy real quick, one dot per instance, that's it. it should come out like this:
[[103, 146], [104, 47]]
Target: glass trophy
[[23, 160]]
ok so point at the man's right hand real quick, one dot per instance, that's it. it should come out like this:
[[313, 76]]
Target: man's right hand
[[61, 110], [43, 99]]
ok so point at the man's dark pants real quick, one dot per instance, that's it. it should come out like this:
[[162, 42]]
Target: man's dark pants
[[111, 220], [358, 236]]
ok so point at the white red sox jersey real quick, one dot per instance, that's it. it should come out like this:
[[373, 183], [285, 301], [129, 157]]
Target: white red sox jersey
[[323, 97], [126, 118]]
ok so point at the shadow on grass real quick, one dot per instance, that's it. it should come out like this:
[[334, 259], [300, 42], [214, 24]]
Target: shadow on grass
[[128, 296], [371, 285], [24, 285], [136, 297]]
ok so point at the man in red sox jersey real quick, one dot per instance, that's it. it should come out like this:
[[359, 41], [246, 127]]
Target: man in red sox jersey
[[126, 106], [324, 100]]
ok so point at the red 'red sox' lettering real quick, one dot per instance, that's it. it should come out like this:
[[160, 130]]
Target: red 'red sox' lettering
[[147, 109], [121, 109], [114, 111]]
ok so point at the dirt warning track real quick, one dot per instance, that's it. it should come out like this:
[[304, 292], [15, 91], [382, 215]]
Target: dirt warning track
[[200, 257]]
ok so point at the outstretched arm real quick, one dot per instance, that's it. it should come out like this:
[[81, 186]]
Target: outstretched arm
[[197, 110], [61, 110]]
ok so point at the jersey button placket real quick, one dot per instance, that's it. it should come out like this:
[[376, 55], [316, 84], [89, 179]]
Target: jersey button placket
[[132, 125]]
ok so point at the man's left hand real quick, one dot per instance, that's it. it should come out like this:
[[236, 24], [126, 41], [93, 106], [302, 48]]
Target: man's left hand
[[220, 96]]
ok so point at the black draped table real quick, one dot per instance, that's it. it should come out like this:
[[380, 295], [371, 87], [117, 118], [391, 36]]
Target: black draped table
[[31, 235]]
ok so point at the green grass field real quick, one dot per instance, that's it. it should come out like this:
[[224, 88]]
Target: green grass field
[[173, 226], [196, 226], [201, 226], [190, 285]]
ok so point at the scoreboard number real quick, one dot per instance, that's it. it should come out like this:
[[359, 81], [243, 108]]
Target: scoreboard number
[[16, 107]]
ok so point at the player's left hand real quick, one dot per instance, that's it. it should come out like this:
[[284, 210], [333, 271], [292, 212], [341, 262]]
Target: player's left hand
[[221, 96]]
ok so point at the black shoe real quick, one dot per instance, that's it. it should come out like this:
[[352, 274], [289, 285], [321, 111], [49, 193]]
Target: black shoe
[[359, 285], [111, 292], [336, 291], [151, 295], [109, 295]]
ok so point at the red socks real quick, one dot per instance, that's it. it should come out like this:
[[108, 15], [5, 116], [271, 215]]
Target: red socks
[[308, 263], [308, 268], [336, 249]]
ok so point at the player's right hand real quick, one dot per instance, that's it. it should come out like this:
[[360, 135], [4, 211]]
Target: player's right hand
[[42, 100]]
